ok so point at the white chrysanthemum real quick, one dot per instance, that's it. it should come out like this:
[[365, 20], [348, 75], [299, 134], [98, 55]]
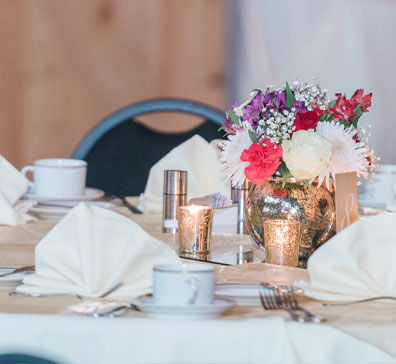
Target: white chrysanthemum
[[231, 156], [347, 155]]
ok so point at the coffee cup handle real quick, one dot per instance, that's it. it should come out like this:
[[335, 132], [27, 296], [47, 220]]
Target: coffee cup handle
[[194, 285], [24, 171]]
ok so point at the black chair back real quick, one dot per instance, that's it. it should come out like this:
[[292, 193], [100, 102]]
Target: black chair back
[[121, 151]]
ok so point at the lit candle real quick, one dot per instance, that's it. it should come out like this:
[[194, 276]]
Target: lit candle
[[195, 229], [282, 239]]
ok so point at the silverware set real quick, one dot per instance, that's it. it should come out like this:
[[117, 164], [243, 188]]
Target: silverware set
[[21, 294], [114, 312], [283, 298]]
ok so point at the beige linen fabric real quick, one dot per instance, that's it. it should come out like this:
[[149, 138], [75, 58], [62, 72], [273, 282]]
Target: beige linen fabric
[[205, 174], [357, 263]]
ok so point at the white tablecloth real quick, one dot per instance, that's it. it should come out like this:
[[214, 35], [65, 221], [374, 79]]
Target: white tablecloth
[[142, 340]]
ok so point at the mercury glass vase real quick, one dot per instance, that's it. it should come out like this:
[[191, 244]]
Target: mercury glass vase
[[312, 205]]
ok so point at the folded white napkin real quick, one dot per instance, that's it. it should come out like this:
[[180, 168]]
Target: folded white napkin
[[357, 263], [205, 173], [91, 250], [13, 185]]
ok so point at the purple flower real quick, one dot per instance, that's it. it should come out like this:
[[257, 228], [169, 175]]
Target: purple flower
[[268, 97], [300, 106], [229, 127], [281, 100], [252, 112]]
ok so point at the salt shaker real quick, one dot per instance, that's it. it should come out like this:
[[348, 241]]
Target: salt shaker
[[238, 196], [175, 195]]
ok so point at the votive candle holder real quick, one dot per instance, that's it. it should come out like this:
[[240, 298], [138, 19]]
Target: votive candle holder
[[195, 229], [282, 239]]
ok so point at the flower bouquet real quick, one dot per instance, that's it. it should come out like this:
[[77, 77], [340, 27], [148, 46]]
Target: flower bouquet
[[289, 142], [296, 131]]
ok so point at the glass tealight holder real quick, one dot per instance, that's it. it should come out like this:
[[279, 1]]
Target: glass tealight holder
[[195, 230], [282, 239]]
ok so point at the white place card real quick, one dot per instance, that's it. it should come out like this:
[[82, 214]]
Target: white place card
[[225, 219]]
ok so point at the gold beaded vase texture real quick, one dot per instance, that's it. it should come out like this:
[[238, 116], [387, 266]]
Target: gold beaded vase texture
[[312, 205]]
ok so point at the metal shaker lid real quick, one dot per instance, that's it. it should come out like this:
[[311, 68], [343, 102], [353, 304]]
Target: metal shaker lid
[[244, 186], [175, 182]]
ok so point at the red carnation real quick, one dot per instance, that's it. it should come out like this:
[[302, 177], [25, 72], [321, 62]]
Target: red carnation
[[264, 160], [306, 120]]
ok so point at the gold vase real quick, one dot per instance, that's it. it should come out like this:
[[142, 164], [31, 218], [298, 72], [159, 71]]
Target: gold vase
[[313, 206]]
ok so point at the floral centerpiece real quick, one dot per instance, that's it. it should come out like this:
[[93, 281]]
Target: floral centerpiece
[[296, 133]]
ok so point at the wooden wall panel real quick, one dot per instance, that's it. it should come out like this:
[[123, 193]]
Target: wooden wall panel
[[65, 65]]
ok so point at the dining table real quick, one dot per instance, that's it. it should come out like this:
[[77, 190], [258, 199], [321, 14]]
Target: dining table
[[57, 327]]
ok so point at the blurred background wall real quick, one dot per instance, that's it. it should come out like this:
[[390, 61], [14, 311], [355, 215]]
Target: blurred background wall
[[67, 64]]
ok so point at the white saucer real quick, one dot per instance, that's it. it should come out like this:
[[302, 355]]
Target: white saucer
[[183, 312], [241, 294], [379, 205], [55, 213], [89, 195], [10, 281]]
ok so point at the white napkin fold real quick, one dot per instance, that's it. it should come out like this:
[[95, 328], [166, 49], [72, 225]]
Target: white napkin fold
[[357, 263], [91, 250], [205, 173], [13, 185]]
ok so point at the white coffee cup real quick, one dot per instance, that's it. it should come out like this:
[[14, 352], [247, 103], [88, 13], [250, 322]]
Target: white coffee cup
[[381, 191], [57, 178], [183, 284]]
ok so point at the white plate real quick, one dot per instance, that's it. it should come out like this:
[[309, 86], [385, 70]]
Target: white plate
[[55, 213], [89, 195], [10, 281], [241, 294], [183, 312]]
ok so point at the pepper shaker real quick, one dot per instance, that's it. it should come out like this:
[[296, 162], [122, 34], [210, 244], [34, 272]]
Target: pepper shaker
[[175, 195], [238, 196]]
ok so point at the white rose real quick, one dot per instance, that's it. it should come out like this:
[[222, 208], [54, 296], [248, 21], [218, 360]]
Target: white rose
[[306, 154]]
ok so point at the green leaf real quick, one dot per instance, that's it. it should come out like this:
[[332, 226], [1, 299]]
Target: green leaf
[[253, 136], [284, 171], [333, 104], [324, 116], [306, 181], [234, 117], [358, 112], [221, 128], [289, 97], [345, 123]]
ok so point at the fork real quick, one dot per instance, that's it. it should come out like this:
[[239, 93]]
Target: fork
[[282, 288], [287, 301]]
